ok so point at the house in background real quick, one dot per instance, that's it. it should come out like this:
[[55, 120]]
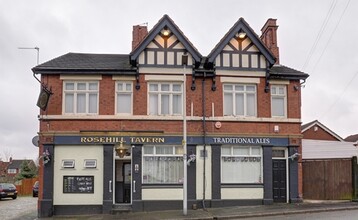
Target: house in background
[[327, 162], [3, 170], [352, 138], [14, 167], [112, 133]]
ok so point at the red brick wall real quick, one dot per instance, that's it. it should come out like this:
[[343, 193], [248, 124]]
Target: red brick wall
[[319, 134], [107, 107]]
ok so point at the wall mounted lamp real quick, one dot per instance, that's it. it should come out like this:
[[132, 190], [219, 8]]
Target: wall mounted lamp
[[120, 149], [166, 32], [241, 35]]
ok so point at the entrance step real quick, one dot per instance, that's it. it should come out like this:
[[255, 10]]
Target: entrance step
[[121, 208]]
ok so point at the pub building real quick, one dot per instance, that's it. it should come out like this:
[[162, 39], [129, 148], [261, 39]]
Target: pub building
[[113, 127]]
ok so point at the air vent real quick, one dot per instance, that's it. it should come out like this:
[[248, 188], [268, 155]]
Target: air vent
[[90, 163], [68, 163]]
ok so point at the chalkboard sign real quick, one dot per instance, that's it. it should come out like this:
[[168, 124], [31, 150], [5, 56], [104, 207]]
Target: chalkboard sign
[[78, 184]]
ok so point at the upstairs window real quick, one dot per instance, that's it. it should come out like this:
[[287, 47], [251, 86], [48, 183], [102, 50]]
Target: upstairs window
[[278, 101], [165, 99], [11, 171], [80, 97], [124, 97], [240, 100]]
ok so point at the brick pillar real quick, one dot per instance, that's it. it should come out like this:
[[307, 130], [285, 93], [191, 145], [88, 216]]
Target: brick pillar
[[139, 33], [269, 37]]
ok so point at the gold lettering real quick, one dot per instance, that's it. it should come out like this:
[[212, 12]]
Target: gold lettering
[[83, 140]]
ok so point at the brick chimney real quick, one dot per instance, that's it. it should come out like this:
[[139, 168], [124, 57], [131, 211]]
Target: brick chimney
[[139, 33], [269, 37]]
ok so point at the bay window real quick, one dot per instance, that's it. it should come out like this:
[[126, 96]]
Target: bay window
[[278, 101], [239, 100], [241, 164], [80, 97], [165, 99], [163, 164]]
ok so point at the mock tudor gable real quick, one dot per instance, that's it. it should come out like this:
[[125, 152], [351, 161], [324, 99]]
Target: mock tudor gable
[[164, 46], [241, 49]]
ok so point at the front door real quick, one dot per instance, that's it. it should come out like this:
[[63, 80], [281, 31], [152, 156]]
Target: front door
[[123, 181], [127, 177], [279, 180]]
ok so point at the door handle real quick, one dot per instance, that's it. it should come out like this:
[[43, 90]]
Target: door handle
[[110, 186], [134, 186]]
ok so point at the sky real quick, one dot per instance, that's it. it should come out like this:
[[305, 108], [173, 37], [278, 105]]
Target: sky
[[318, 37]]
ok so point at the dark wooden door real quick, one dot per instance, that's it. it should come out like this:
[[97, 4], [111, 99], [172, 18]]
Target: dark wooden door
[[279, 180], [127, 177]]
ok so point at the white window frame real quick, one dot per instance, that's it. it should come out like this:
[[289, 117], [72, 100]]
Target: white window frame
[[11, 171], [241, 158], [90, 163], [233, 101], [175, 155], [159, 94], [125, 92], [75, 93], [280, 96], [68, 163]]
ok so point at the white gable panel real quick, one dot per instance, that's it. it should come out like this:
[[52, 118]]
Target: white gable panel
[[254, 63], [171, 40], [152, 45], [318, 149], [217, 61], [253, 48], [235, 43], [179, 46], [228, 48], [246, 43], [160, 40], [226, 59], [141, 58], [262, 61], [170, 58]]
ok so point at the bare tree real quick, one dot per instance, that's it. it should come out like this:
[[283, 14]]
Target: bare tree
[[7, 154]]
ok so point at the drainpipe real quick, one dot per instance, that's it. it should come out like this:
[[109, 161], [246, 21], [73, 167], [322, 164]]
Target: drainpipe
[[204, 140]]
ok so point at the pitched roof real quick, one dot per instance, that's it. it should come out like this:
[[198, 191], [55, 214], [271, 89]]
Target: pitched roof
[[75, 63], [166, 22], [352, 138], [16, 164], [241, 25], [280, 71], [311, 124]]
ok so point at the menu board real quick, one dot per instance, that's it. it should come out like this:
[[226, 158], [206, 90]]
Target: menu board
[[78, 184]]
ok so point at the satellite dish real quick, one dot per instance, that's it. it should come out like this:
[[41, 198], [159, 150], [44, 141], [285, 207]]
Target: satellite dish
[[35, 141]]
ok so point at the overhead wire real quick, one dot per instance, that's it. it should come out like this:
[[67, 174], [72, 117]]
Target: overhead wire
[[340, 96], [331, 35], [319, 35]]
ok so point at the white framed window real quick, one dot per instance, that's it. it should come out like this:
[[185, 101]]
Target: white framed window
[[68, 163], [80, 97], [162, 164], [165, 98], [278, 101], [241, 164], [240, 100], [124, 97], [11, 171], [90, 163]]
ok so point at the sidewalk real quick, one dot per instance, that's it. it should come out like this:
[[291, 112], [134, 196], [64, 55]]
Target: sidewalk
[[229, 212]]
